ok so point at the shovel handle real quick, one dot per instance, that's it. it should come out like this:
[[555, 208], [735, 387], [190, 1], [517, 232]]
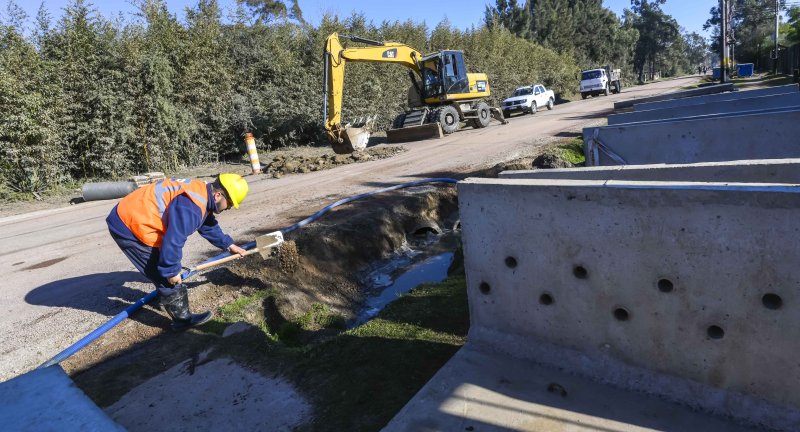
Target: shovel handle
[[224, 260]]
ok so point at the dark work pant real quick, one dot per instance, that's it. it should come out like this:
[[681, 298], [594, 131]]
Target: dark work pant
[[145, 259]]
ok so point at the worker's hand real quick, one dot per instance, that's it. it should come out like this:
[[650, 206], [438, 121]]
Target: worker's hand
[[175, 280], [236, 249]]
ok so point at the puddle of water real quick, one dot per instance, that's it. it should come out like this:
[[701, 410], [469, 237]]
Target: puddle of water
[[388, 286]]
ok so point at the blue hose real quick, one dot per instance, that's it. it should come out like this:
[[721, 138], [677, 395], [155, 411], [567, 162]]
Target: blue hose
[[86, 340]]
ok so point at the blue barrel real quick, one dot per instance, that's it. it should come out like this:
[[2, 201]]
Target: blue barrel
[[744, 69]]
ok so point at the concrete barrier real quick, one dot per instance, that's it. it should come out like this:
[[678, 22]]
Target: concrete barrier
[[762, 135], [735, 95], [787, 100], [47, 400], [741, 171], [719, 88], [684, 291]]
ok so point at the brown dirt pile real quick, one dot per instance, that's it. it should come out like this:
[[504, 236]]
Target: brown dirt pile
[[287, 163], [321, 262]]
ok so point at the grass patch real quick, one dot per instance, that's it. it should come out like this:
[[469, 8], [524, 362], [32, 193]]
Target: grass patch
[[320, 316], [572, 152], [744, 83], [360, 378], [298, 331]]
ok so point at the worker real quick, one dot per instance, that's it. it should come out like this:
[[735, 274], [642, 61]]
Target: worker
[[152, 224]]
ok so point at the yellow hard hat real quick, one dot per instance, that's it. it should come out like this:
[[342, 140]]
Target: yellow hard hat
[[236, 187]]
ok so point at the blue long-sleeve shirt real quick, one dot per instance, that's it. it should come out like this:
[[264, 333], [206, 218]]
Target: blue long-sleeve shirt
[[182, 218]]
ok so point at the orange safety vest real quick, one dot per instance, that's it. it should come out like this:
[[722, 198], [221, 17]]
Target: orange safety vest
[[142, 211]]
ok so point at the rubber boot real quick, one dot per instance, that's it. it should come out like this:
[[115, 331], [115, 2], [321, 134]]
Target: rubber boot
[[177, 307]]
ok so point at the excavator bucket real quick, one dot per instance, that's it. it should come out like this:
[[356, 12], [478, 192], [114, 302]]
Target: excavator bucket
[[353, 137], [414, 133]]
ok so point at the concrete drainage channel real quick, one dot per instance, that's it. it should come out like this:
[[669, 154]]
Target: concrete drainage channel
[[651, 290]]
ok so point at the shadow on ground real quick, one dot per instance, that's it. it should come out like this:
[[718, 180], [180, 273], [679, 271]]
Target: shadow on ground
[[104, 293]]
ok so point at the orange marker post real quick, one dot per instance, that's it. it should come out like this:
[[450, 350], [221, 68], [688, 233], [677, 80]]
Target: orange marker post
[[251, 150]]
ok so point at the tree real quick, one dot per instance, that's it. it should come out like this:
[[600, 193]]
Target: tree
[[696, 49], [752, 24], [657, 33], [269, 10], [511, 15], [91, 110], [791, 29], [31, 160], [205, 85]]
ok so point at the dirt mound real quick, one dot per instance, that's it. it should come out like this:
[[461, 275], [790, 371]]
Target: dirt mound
[[288, 162], [549, 160], [321, 262]]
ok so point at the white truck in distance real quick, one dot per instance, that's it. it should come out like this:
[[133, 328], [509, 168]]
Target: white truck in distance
[[600, 81], [528, 99]]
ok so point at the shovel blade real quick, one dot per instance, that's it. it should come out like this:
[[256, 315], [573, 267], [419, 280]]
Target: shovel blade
[[267, 242]]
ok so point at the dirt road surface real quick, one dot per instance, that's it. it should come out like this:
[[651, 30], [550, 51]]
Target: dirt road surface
[[63, 275]]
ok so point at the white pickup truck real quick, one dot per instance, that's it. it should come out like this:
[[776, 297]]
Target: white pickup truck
[[600, 81], [528, 99]]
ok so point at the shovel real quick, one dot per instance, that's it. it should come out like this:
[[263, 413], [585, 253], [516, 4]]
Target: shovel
[[264, 246]]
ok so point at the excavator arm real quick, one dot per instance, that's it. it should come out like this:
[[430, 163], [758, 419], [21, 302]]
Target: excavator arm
[[346, 139]]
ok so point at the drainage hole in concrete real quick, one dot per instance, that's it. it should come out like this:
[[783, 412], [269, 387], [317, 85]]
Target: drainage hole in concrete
[[580, 272], [621, 314], [715, 332], [557, 389], [665, 285], [772, 301], [485, 288], [511, 262], [546, 299]]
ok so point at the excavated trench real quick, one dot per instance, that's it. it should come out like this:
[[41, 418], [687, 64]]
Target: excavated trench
[[348, 259], [331, 275], [287, 319]]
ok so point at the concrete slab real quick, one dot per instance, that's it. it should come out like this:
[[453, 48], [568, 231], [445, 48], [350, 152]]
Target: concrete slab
[[47, 400], [729, 96], [224, 396], [489, 391], [684, 290], [761, 135], [741, 171], [787, 100], [719, 88]]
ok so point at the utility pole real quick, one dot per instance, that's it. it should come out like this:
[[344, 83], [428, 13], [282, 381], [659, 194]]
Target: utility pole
[[723, 37], [775, 54]]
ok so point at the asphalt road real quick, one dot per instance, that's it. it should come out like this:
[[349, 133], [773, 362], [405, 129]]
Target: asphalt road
[[63, 275]]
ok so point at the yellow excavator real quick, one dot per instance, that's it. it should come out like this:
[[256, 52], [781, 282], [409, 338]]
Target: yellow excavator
[[442, 94]]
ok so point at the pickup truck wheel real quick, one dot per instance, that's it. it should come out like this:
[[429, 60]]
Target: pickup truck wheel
[[448, 118], [583, 95], [533, 107], [484, 116], [550, 104], [506, 114]]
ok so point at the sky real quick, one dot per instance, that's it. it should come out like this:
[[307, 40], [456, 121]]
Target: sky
[[462, 14]]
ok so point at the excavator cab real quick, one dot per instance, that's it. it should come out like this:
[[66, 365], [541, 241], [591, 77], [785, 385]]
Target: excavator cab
[[444, 73]]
